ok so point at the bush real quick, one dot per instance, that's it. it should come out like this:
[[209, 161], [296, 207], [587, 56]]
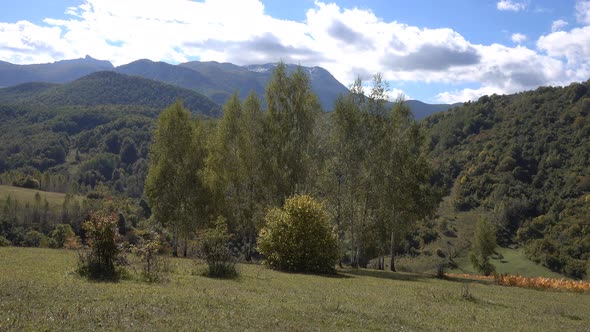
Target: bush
[[441, 269], [102, 257], [299, 237], [147, 249], [27, 182], [61, 233], [73, 243], [4, 242], [483, 247], [214, 249], [575, 268], [36, 239]]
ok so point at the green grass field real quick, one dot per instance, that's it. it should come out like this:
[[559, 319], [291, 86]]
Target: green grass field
[[37, 292], [24, 195], [514, 262]]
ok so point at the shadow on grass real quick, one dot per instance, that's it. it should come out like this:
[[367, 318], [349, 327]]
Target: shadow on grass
[[335, 275], [403, 276], [468, 280]]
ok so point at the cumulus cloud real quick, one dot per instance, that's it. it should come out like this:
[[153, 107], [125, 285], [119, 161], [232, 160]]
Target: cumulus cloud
[[396, 93], [25, 42], [349, 42], [466, 94], [574, 47], [433, 57], [583, 11], [518, 38], [557, 25], [509, 5], [346, 34]]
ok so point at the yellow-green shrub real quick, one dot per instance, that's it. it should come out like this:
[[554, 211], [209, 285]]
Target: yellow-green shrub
[[299, 237]]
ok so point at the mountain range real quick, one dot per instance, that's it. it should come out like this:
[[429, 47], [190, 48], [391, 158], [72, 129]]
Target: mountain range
[[217, 81]]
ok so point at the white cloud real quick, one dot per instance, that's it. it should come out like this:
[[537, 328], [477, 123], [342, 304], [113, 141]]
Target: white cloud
[[347, 42], [558, 25], [466, 95], [395, 93], [25, 42], [574, 47], [509, 5], [583, 11], [518, 38]]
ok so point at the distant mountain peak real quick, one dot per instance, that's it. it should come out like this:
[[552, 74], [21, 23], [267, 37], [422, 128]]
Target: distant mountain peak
[[88, 60]]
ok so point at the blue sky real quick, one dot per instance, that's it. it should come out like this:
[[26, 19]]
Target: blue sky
[[435, 51]]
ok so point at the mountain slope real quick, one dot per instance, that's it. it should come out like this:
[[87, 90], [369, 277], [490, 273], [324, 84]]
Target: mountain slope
[[164, 72], [422, 110], [219, 80], [524, 160], [109, 88], [57, 72]]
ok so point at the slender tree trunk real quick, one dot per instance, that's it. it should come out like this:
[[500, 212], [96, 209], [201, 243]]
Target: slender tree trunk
[[185, 247], [392, 252], [249, 236], [248, 253], [338, 218], [353, 250], [175, 242], [360, 258]]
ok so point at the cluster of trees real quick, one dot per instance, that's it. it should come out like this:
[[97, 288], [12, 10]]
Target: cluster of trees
[[18, 217], [524, 158], [103, 144], [370, 166], [32, 220]]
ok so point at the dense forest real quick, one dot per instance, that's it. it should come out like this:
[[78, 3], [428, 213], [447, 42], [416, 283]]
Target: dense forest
[[522, 158], [525, 159]]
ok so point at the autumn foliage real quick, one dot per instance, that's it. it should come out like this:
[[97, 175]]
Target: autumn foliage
[[103, 251], [526, 282]]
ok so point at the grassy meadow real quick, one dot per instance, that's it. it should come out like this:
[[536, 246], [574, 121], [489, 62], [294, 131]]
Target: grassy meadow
[[456, 238], [38, 291], [25, 195]]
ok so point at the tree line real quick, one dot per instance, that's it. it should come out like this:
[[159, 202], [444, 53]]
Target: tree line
[[367, 161]]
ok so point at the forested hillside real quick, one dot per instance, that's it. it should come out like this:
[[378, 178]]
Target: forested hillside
[[107, 88], [95, 129], [525, 158]]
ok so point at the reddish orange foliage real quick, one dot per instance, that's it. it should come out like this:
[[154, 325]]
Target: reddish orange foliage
[[526, 282]]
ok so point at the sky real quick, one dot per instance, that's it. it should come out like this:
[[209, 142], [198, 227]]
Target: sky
[[435, 51]]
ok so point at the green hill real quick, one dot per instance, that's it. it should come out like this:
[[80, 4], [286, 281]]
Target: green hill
[[109, 88], [523, 160], [40, 124]]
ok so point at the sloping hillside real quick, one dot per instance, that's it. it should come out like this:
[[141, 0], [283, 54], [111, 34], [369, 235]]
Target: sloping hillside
[[524, 159], [109, 88]]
